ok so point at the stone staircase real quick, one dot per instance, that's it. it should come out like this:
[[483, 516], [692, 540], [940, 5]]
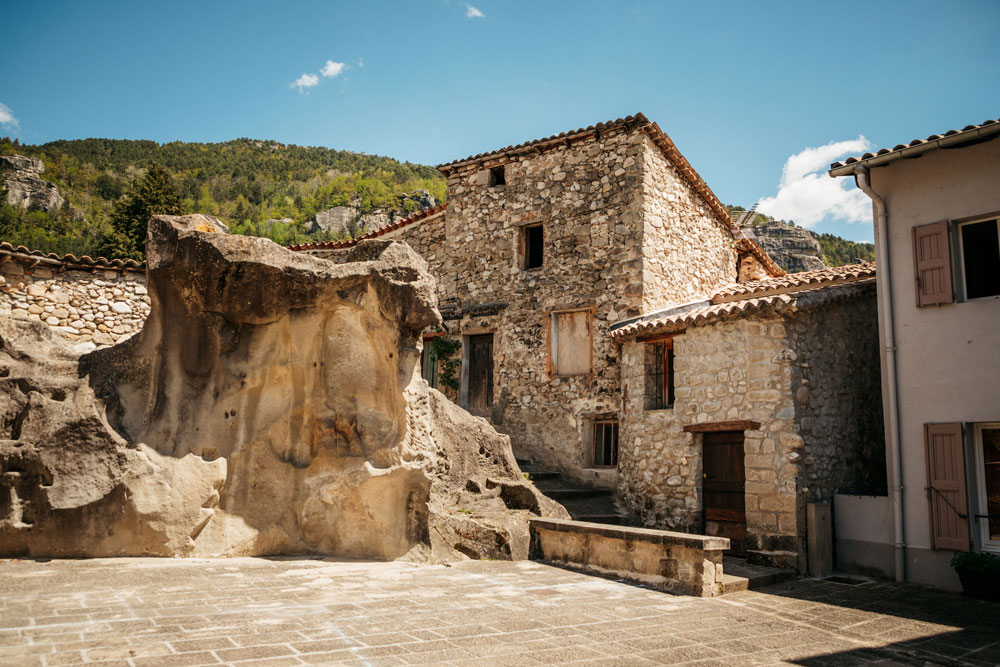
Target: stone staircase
[[738, 576], [583, 503]]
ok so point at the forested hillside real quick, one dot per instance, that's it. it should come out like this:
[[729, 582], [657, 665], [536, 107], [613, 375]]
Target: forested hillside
[[257, 187]]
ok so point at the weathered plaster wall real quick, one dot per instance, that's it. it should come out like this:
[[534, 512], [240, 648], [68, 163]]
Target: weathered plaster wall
[[99, 308], [687, 252]]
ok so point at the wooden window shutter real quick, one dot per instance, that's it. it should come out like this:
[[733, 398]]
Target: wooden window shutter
[[932, 264], [946, 486]]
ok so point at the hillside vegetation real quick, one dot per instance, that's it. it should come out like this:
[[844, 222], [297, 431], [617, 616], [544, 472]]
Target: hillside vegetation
[[252, 185]]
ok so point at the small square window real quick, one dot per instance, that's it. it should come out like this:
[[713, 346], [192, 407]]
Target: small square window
[[980, 243], [533, 243], [497, 176]]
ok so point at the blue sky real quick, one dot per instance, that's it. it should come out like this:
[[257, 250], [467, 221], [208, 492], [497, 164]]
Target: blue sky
[[739, 86]]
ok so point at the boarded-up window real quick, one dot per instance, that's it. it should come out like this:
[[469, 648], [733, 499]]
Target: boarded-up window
[[571, 343], [932, 264], [946, 486]]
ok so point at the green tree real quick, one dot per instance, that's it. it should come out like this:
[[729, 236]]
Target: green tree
[[156, 194]]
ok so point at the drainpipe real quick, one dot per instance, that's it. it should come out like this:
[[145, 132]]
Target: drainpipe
[[885, 297]]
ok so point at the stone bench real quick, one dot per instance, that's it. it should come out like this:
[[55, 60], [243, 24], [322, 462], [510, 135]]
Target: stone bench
[[675, 562]]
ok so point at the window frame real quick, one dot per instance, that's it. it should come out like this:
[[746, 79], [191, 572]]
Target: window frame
[[982, 526], [602, 423], [960, 251], [553, 343], [669, 375], [523, 232]]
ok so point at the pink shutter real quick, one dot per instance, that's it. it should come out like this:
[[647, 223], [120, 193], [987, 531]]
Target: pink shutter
[[932, 264], [946, 486]]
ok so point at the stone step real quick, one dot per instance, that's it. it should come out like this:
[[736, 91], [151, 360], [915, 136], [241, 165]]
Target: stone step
[[522, 462], [738, 576], [574, 494], [611, 519], [536, 475]]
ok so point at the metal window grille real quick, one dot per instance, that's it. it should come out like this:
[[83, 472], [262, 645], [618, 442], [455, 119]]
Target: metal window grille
[[660, 376], [606, 443]]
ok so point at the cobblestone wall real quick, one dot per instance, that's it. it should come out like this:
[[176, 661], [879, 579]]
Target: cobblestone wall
[[97, 308]]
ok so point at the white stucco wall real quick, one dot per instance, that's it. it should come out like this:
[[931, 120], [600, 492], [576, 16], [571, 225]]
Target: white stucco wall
[[948, 357]]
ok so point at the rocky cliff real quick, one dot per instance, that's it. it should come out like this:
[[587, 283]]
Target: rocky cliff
[[270, 404], [793, 248], [349, 220], [25, 188]]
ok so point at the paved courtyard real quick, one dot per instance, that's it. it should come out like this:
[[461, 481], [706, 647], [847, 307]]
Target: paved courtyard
[[152, 612]]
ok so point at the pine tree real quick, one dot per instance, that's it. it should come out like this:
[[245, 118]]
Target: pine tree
[[156, 194]]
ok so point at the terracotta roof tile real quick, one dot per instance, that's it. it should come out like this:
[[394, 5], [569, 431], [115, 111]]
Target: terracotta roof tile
[[782, 294], [792, 282], [983, 130], [338, 245], [639, 121], [71, 261]]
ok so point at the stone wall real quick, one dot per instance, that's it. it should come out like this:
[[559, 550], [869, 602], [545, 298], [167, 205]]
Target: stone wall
[[838, 403], [809, 378], [687, 252], [98, 308]]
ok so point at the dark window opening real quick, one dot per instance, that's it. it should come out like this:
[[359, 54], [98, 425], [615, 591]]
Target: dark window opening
[[606, 443], [533, 247], [981, 259], [660, 375], [497, 177]]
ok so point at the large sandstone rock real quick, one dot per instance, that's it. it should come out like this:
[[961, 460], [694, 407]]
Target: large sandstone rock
[[24, 187], [270, 404]]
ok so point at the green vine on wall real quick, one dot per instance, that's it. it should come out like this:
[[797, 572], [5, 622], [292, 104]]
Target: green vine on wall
[[445, 349]]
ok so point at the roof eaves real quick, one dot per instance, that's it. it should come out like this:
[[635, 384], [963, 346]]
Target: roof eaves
[[69, 260], [986, 130]]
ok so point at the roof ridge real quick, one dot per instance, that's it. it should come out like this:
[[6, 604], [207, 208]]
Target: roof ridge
[[794, 282]]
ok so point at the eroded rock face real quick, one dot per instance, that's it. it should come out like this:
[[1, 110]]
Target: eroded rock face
[[269, 405], [24, 186], [792, 248]]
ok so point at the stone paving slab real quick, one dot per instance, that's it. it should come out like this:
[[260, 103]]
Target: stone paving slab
[[162, 612]]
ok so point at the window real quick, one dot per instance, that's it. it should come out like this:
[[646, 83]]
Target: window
[[570, 343], [605, 443], [532, 244], [986, 439], [980, 245], [429, 362], [976, 254], [660, 374], [497, 176]]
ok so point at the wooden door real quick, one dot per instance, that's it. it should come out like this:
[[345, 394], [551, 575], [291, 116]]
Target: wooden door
[[481, 375], [723, 488]]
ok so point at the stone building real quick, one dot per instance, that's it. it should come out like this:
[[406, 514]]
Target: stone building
[[540, 249], [741, 410]]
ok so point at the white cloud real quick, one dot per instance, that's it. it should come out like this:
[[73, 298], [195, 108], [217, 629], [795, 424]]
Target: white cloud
[[332, 69], [473, 12], [305, 81], [7, 116], [807, 194]]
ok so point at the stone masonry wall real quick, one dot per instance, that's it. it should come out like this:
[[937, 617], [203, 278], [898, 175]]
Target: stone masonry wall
[[687, 253], [838, 400], [96, 309], [723, 371]]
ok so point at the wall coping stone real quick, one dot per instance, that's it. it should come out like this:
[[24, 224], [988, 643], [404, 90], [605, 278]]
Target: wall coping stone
[[632, 533]]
